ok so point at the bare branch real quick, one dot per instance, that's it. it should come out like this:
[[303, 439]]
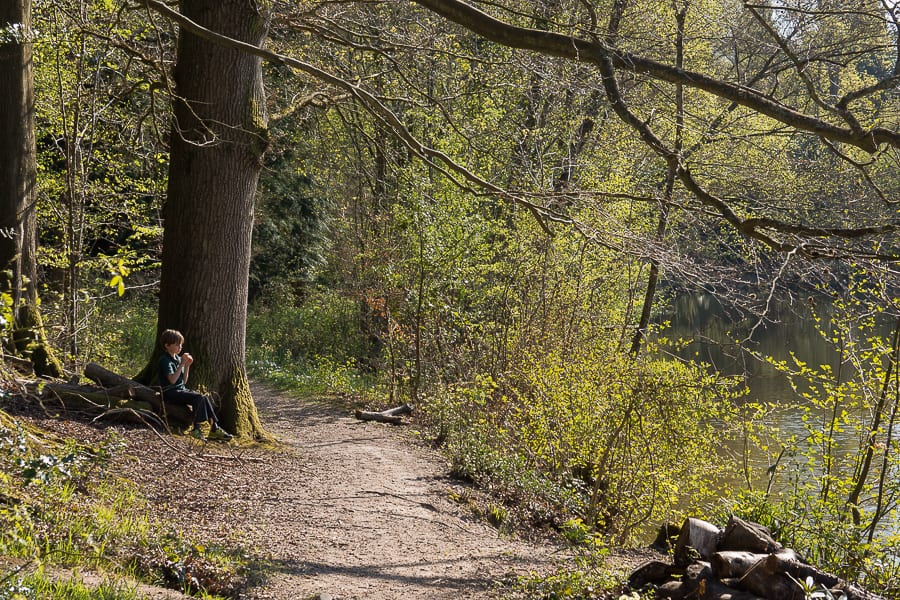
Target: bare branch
[[596, 52]]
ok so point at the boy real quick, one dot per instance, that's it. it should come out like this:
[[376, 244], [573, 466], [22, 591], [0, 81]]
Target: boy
[[173, 375]]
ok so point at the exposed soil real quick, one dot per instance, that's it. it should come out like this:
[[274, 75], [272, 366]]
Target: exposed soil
[[340, 509]]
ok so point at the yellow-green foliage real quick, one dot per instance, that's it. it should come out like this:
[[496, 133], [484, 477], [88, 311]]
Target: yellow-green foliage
[[40, 584], [640, 433], [618, 441], [51, 515], [831, 490]]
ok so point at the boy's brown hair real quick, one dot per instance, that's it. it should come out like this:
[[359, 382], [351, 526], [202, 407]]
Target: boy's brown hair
[[171, 336]]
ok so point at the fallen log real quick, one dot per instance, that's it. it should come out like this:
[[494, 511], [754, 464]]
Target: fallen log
[[743, 535], [740, 562], [767, 583], [95, 401], [737, 563], [672, 590], [789, 565], [392, 415], [697, 576], [707, 589], [113, 381], [715, 590], [108, 379], [734, 563], [652, 572], [95, 394]]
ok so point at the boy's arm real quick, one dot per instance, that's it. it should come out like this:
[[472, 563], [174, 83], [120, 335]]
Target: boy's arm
[[172, 375]]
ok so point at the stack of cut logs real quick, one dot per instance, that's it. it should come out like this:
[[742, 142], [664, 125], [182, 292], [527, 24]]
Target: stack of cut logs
[[740, 562]]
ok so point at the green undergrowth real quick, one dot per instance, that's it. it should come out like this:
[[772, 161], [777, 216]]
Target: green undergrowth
[[617, 443], [69, 585], [123, 340], [315, 376], [64, 512], [309, 350]]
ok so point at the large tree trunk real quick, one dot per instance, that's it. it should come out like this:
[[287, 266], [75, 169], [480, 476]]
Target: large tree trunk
[[218, 140], [17, 147], [18, 181]]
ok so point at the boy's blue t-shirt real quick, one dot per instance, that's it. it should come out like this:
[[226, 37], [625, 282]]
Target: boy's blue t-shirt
[[168, 364]]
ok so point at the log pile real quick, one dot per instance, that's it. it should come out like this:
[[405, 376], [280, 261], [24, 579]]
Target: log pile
[[740, 562]]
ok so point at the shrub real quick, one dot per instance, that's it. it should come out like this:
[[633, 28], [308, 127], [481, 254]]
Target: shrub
[[618, 441]]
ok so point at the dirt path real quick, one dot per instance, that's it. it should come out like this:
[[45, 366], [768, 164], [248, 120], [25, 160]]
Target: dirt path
[[344, 510]]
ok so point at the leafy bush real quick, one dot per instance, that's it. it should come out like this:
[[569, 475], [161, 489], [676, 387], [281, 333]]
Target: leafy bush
[[126, 335], [316, 348], [830, 490], [323, 326], [615, 440]]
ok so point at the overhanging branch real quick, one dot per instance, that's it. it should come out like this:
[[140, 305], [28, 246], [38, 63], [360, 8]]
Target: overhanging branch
[[595, 52], [607, 61]]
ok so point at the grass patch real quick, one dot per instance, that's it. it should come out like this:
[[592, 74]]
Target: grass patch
[[588, 579], [71, 586], [312, 377], [63, 509]]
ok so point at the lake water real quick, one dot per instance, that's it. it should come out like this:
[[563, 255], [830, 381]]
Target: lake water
[[791, 329]]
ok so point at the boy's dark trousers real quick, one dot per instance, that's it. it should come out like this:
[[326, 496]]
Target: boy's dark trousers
[[202, 406]]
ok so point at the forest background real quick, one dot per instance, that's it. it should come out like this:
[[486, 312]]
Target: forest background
[[487, 214]]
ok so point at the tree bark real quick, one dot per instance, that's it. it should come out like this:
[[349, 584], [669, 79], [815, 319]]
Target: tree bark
[[18, 182], [18, 169], [217, 143], [640, 333], [111, 380]]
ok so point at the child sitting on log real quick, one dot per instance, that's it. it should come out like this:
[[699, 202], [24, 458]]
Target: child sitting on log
[[174, 369]]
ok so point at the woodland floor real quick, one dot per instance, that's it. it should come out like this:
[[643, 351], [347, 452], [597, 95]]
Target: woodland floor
[[339, 509]]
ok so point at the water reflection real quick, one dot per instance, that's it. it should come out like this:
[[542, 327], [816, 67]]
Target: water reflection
[[729, 343], [732, 344]]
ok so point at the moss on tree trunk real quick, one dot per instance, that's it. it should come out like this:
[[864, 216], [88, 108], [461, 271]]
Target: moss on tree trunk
[[241, 415]]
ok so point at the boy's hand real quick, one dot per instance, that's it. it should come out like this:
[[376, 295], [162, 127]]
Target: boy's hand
[[187, 359]]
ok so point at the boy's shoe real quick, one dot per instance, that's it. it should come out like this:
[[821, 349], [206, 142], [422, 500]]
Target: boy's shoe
[[197, 434], [219, 434]]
